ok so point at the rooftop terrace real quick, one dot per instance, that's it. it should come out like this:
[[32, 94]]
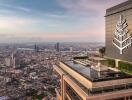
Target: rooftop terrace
[[95, 76], [105, 85]]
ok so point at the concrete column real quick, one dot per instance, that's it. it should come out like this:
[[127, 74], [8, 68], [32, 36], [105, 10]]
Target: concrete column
[[117, 63], [63, 89]]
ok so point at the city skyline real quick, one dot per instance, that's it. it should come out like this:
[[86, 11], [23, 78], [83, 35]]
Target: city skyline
[[54, 20], [65, 50]]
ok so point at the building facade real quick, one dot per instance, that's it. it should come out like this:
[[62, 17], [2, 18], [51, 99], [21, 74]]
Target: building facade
[[88, 79], [79, 82], [119, 32]]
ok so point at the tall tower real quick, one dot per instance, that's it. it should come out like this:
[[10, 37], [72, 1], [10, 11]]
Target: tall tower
[[57, 47], [36, 48], [119, 32], [13, 60]]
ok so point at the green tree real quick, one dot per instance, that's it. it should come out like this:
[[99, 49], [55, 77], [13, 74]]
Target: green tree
[[102, 51]]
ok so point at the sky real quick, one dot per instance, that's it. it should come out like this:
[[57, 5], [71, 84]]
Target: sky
[[53, 20]]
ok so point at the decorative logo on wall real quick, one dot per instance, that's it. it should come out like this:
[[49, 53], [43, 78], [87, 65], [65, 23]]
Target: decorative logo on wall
[[122, 37]]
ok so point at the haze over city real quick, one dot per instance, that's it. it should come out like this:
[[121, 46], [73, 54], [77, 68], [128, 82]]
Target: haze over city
[[53, 20], [65, 49]]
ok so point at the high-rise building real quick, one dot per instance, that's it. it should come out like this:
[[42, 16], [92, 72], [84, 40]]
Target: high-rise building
[[71, 49], [88, 79], [36, 48], [8, 61], [119, 32], [13, 60], [79, 80], [57, 47]]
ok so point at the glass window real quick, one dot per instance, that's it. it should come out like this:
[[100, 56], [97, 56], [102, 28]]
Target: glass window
[[122, 98], [71, 92]]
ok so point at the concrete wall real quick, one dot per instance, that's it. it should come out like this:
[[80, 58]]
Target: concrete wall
[[112, 16]]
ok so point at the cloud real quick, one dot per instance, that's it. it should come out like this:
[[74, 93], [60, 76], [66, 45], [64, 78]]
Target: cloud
[[77, 7], [23, 9], [14, 22], [12, 7], [80, 20], [87, 7]]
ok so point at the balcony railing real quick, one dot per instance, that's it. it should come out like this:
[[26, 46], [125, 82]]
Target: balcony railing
[[72, 93], [110, 88]]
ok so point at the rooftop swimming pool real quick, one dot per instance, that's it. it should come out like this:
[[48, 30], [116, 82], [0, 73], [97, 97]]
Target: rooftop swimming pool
[[93, 75]]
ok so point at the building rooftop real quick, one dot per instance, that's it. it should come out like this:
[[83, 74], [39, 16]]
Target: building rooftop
[[119, 8], [94, 75]]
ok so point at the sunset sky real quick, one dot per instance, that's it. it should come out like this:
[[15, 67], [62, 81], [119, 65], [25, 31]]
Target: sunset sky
[[53, 20]]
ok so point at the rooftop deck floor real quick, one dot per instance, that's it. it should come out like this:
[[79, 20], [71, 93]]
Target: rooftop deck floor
[[95, 76]]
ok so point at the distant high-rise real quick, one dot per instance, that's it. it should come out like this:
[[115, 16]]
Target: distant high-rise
[[36, 48], [57, 47], [71, 49], [13, 59], [8, 61]]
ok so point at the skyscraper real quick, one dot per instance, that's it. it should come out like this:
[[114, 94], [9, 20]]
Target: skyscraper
[[88, 79], [118, 32], [8, 61], [57, 47], [36, 48], [13, 60]]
